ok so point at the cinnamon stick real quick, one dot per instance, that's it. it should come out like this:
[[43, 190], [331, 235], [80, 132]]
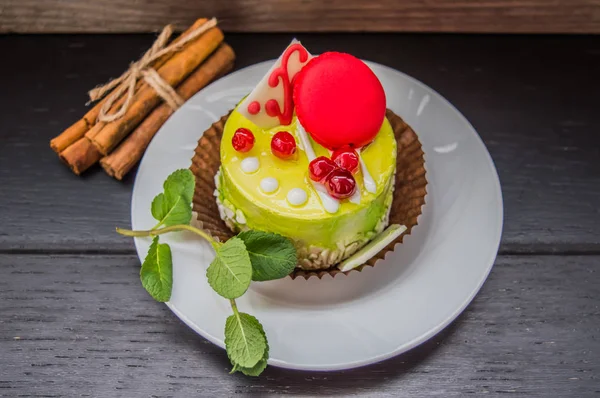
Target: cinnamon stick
[[80, 127], [80, 156], [146, 99], [69, 136], [130, 151]]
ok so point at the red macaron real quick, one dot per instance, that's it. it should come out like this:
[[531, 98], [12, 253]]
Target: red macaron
[[339, 101]]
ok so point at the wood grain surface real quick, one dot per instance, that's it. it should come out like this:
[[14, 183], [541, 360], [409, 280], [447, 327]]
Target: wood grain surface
[[522, 16], [83, 325], [532, 100]]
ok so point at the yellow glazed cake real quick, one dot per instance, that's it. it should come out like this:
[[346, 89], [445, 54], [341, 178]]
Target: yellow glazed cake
[[315, 161]]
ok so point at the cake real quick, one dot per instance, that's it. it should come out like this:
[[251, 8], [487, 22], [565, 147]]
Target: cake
[[310, 154]]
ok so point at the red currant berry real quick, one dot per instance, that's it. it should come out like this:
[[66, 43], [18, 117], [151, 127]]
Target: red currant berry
[[243, 140], [320, 168], [283, 145], [340, 184], [346, 158]]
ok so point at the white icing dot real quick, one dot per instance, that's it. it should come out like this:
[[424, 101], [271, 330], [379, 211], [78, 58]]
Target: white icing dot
[[250, 165], [269, 184], [297, 196]]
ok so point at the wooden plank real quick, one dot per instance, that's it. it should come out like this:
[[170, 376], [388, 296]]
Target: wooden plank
[[530, 98], [514, 16], [83, 325]]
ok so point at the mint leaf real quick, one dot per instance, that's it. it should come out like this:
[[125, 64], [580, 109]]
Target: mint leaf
[[169, 212], [245, 340], [180, 183], [173, 206], [272, 256], [231, 271], [257, 369], [157, 271]]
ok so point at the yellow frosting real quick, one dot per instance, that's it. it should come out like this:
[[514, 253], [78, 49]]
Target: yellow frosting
[[309, 222]]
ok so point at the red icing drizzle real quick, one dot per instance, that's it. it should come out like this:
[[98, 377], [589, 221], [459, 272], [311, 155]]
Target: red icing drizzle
[[281, 73], [253, 107]]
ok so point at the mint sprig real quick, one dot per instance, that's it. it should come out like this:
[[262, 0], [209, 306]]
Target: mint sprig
[[231, 271], [245, 339], [173, 207], [157, 271], [251, 255], [272, 257]]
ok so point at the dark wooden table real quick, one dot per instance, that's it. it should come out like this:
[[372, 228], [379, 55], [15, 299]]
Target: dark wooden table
[[74, 320]]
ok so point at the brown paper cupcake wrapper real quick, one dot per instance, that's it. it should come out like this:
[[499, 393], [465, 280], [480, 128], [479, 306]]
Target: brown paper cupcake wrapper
[[409, 193]]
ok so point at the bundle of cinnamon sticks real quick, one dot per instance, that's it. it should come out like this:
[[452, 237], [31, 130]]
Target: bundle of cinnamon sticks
[[118, 134]]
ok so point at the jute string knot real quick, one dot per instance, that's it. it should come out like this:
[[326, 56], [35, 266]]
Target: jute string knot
[[143, 69]]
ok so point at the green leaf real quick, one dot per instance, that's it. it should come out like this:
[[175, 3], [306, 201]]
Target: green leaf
[[257, 369], [173, 206], [173, 212], [260, 366], [245, 341], [180, 183], [272, 256], [157, 271], [230, 272]]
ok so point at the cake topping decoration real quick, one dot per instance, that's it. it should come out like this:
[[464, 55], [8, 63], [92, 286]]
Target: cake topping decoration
[[270, 104], [368, 181], [254, 107], [273, 107], [297, 196], [240, 217], [339, 101], [242, 140], [330, 204], [340, 184], [305, 141], [347, 159], [250, 165], [355, 198], [269, 184], [283, 145], [320, 168]]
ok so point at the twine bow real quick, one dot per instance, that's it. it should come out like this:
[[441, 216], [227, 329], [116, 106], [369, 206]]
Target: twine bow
[[143, 69]]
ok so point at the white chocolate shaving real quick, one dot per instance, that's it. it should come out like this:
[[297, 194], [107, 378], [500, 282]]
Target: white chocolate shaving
[[330, 204], [305, 141], [263, 91], [239, 217], [369, 182], [355, 198]]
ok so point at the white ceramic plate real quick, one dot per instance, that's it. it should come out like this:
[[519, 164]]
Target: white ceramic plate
[[360, 318]]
